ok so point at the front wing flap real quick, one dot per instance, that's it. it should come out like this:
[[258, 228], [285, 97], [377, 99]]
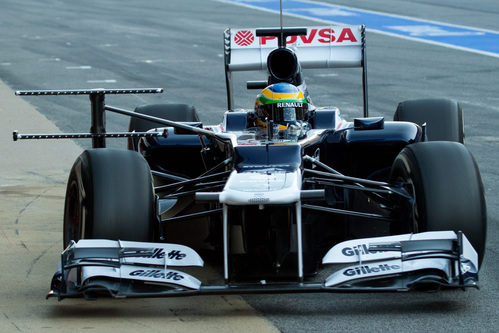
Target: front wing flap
[[424, 261]]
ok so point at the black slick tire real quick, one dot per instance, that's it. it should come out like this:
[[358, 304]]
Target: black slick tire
[[443, 118], [174, 112], [109, 196], [447, 188]]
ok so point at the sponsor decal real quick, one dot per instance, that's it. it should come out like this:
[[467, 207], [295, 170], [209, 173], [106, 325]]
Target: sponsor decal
[[244, 38], [290, 105], [258, 198], [157, 274], [159, 253], [177, 255], [366, 269], [467, 266], [323, 36], [361, 249]]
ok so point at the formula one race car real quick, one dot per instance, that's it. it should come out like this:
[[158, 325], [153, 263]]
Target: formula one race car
[[275, 194]]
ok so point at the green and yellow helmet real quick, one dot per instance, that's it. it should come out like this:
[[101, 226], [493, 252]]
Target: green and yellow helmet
[[281, 102]]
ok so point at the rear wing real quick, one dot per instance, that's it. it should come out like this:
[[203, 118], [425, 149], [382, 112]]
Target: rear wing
[[337, 46]]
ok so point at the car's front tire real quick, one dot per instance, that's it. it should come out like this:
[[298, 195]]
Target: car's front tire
[[447, 188], [109, 196]]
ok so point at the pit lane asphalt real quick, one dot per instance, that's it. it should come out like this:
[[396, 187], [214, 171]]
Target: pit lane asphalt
[[178, 45], [32, 189]]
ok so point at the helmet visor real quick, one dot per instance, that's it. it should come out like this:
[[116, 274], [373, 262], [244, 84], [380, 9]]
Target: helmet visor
[[287, 112]]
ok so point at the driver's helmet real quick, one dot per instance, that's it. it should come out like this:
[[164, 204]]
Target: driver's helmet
[[282, 103]]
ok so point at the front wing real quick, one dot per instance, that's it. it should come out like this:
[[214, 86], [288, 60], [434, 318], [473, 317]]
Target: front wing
[[424, 261]]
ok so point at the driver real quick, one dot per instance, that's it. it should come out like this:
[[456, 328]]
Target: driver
[[283, 105]]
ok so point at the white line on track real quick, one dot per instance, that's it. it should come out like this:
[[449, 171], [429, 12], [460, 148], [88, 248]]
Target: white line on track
[[78, 67], [152, 61], [50, 59], [102, 81]]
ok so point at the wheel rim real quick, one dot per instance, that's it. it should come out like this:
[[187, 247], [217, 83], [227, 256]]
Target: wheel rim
[[414, 224], [73, 221]]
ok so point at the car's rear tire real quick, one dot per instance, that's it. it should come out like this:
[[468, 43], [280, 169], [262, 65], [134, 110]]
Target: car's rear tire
[[109, 196], [174, 112], [445, 181], [443, 117]]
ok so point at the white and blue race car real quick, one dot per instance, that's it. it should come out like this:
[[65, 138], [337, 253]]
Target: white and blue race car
[[275, 194]]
